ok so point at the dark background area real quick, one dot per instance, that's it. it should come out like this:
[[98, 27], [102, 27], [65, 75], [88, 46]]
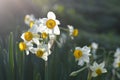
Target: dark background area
[[96, 16]]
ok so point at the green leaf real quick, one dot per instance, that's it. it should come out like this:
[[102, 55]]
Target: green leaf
[[11, 56]]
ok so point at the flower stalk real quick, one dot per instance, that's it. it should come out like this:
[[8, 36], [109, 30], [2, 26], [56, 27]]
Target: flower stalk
[[74, 73], [46, 70], [89, 75]]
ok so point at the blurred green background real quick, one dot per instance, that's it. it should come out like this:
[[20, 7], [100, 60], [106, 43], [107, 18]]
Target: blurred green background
[[92, 16], [99, 16], [97, 20]]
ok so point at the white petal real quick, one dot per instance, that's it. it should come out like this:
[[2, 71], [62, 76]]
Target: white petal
[[94, 45], [36, 40], [41, 28], [94, 74], [43, 20], [70, 27], [118, 49], [92, 68], [56, 30], [86, 59], [81, 62], [32, 50], [49, 52], [95, 64], [27, 52], [22, 36], [34, 29], [51, 15], [57, 22], [49, 45], [78, 48], [29, 44], [52, 37], [29, 48], [45, 56], [86, 49], [27, 21], [104, 70], [102, 64]]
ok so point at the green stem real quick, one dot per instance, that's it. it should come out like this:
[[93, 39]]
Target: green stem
[[46, 70], [64, 29], [89, 75], [82, 69], [74, 73], [113, 74]]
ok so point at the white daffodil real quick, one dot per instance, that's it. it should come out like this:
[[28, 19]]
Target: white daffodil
[[116, 63], [25, 46], [42, 51], [98, 69], [82, 55], [39, 32], [29, 20], [30, 37], [51, 24], [72, 32], [117, 53]]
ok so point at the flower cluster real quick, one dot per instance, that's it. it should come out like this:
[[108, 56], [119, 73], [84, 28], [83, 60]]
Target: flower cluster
[[82, 55], [42, 34]]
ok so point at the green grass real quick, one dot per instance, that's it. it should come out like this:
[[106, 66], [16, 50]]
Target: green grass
[[16, 65]]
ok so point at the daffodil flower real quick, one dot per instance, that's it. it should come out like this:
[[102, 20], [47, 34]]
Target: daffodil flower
[[30, 37], [117, 53], [50, 24], [82, 55], [29, 20], [98, 69], [116, 63], [72, 32], [25, 46], [42, 51]]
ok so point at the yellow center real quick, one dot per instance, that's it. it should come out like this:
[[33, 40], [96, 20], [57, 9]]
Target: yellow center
[[118, 64], [22, 46], [28, 36], [44, 35], [98, 71], [51, 23], [75, 32], [78, 53], [39, 53], [31, 23]]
